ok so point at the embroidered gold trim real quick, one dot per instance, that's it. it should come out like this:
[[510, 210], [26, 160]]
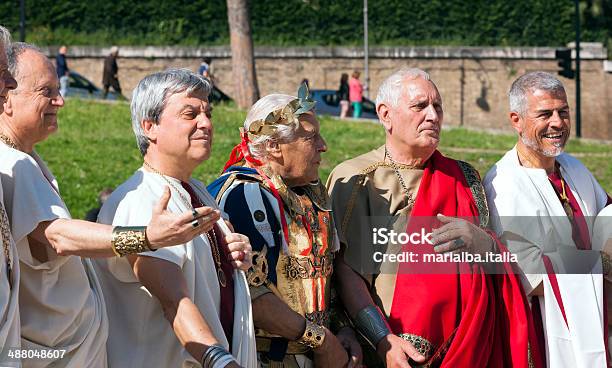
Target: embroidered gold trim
[[258, 273], [423, 346], [320, 318], [530, 361], [6, 244], [309, 267], [351, 203], [473, 181], [313, 336], [129, 240], [606, 265], [318, 196]]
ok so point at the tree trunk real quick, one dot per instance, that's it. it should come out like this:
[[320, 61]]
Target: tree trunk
[[243, 59]]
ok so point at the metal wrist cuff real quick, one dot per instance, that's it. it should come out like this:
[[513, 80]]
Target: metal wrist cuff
[[212, 355], [129, 240], [313, 336], [371, 322]]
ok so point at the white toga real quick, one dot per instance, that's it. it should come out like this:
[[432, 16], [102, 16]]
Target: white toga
[[60, 302], [528, 216], [9, 289], [140, 335]]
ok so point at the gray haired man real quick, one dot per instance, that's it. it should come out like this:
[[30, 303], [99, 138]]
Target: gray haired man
[[60, 301], [543, 203], [389, 187], [192, 304]]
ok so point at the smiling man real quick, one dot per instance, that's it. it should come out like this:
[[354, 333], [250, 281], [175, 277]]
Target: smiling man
[[61, 306], [188, 306], [9, 266], [543, 204], [407, 314]]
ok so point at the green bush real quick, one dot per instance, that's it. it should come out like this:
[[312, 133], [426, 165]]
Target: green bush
[[312, 22]]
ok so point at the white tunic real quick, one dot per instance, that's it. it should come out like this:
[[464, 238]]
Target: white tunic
[[60, 301], [9, 290], [140, 335], [523, 203]]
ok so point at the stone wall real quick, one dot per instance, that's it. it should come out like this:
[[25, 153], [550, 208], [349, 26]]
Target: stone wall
[[473, 82]]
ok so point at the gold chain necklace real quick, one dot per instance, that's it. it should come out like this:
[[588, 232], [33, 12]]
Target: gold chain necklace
[[183, 198], [212, 239], [563, 198], [409, 198], [8, 141]]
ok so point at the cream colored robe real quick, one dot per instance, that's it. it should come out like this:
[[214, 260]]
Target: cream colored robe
[[379, 202], [60, 302], [140, 335], [9, 290]]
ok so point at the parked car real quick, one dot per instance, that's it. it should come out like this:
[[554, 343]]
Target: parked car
[[328, 103], [81, 87]]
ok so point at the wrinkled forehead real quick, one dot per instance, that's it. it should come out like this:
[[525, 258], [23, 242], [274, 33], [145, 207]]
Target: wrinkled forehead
[[536, 94], [309, 122], [418, 88], [34, 69], [182, 100]]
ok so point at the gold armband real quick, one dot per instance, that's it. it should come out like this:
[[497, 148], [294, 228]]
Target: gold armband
[[313, 336], [129, 240]]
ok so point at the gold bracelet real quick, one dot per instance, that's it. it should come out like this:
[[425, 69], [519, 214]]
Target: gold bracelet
[[129, 240], [606, 265], [313, 336]]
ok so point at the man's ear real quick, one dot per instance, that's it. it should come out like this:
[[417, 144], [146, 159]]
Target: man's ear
[[273, 150], [150, 129], [384, 112], [516, 121], [8, 104]]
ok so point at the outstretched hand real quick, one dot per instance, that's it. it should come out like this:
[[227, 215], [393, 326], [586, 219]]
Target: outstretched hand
[[167, 228]]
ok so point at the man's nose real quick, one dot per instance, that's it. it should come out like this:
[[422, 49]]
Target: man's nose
[[322, 144], [556, 120], [204, 122], [432, 114], [58, 100]]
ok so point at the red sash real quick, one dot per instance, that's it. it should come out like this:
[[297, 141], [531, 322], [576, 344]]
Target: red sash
[[484, 317]]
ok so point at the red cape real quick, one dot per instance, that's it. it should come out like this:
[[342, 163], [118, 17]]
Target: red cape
[[473, 319]]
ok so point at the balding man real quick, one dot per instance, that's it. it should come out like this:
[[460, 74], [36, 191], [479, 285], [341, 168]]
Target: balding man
[[451, 314], [9, 266], [61, 305]]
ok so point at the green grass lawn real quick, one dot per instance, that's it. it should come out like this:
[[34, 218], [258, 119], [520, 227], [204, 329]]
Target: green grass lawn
[[95, 148]]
